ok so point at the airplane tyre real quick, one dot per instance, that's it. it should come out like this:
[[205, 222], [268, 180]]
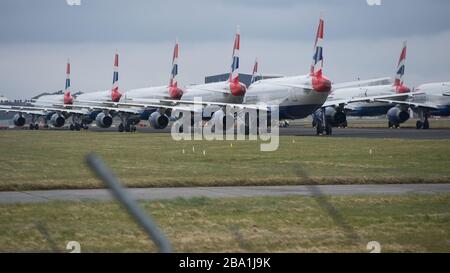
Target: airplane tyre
[[71, 127], [319, 129], [127, 127], [36, 126], [328, 130], [31, 127], [418, 124], [121, 128], [77, 127], [426, 124]]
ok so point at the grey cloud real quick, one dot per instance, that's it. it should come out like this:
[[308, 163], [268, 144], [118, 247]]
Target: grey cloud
[[206, 20]]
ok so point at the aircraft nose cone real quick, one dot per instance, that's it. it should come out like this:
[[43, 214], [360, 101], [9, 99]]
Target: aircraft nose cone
[[68, 100], [175, 92], [238, 89], [402, 89], [321, 84]]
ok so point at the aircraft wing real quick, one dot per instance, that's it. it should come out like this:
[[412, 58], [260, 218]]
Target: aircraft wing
[[303, 86], [345, 102], [30, 109], [374, 98], [377, 81], [210, 90], [335, 103], [209, 103], [411, 104], [26, 111], [142, 104]]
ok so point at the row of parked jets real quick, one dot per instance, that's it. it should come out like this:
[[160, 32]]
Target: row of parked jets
[[295, 97]]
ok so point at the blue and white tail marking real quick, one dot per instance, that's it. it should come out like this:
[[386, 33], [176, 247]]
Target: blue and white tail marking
[[317, 65], [401, 67], [234, 75]]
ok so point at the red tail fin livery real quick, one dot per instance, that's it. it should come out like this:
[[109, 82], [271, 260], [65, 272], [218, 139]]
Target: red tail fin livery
[[174, 91], [399, 87], [68, 99], [115, 93], [319, 82], [236, 88]]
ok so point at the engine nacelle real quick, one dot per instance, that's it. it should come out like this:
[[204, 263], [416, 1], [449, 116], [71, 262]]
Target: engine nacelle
[[103, 120], [19, 120], [335, 117], [158, 121], [396, 115], [57, 120], [222, 120]]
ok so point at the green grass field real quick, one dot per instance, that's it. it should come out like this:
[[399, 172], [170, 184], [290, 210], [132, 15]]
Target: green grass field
[[55, 159], [410, 223], [356, 122]]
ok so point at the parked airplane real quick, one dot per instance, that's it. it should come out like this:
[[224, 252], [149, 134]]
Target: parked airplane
[[359, 101], [430, 99], [157, 108], [139, 104], [43, 108], [231, 91], [295, 97]]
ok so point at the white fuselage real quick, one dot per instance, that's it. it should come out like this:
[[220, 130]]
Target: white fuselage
[[94, 96], [293, 102], [364, 108], [201, 91], [437, 94], [157, 92], [49, 100]]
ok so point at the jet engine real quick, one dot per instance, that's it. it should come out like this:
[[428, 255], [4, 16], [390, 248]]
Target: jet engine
[[158, 121], [396, 116], [57, 120], [19, 120], [335, 117], [103, 120]]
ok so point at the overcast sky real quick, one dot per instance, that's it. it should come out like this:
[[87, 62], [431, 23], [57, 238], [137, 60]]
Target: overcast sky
[[37, 37]]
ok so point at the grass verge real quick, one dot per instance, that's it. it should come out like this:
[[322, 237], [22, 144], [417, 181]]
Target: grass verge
[[407, 223], [31, 160]]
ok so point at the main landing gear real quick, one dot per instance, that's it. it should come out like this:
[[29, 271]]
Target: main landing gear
[[127, 126], [77, 123], [423, 123], [393, 125], [75, 127], [321, 124], [34, 125]]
